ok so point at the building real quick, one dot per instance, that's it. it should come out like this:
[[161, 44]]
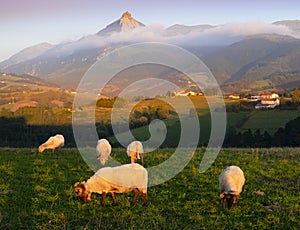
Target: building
[[234, 96], [268, 100], [188, 93]]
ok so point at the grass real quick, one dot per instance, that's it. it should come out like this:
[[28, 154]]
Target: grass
[[36, 192], [269, 120]]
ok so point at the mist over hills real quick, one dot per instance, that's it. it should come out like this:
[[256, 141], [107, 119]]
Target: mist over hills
[[292, 24], [252, 57], [261, 62]]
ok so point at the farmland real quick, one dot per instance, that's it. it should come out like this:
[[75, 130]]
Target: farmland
[[36, 192]]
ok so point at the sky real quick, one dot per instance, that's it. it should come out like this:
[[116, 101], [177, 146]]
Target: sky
[[30, 22]]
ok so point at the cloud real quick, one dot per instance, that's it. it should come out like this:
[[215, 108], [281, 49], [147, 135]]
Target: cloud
[[230, 33], [222, 35], [219, 35]]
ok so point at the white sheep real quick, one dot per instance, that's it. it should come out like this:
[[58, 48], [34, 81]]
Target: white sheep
[[135, 151], [53, 142], [103, 150], [119, 179], [231, 182]]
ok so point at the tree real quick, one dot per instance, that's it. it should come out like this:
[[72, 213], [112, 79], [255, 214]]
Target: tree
[[295, 94]]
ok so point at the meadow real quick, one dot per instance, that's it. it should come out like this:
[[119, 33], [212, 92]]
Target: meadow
[[36, 192]]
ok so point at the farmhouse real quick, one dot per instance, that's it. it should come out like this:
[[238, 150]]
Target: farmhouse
[[187, 93], [269, 96], [234, 96], [268, 100]]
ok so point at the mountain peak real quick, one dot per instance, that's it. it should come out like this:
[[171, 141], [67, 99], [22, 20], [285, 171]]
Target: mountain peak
[[126, 15], [125, 24]]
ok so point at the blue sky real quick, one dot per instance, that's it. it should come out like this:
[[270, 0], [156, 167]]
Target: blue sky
[[26, 23]]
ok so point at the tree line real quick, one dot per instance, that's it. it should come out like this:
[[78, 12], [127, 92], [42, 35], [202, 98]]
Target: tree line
[[15, 132]]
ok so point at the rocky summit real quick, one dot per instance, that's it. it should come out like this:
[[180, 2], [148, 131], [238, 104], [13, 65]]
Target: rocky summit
[[125, 24]]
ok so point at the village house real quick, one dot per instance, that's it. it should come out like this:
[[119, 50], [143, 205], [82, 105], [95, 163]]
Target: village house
[[269, 96], [268, 100], [234, 96], [188, 93]]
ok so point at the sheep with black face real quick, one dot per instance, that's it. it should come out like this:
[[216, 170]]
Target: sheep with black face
[[120, 179], [231, 182], [53, 143]]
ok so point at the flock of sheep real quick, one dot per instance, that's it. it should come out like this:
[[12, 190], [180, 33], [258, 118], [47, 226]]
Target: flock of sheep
[[134, 177]]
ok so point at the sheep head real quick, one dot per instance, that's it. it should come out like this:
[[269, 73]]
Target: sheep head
[[41, 148], [103, 159], [81, 191], [231, 198]]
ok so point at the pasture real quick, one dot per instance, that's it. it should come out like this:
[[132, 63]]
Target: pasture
[[36, 192]]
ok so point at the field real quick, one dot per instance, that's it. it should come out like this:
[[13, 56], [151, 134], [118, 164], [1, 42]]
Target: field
[[268, 120], [36, 192]]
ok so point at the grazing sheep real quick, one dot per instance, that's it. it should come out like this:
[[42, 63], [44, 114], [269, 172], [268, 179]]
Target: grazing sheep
[[103, 150], [120, 179], [52, 143], [231, 182], [135, 151]]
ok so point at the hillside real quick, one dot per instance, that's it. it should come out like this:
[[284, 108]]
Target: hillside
[[264, 62], [23, 91]]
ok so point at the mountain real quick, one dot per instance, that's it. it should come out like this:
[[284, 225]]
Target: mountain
[[292, 24], [261, 62], [66, 63], [26, 54], [240, 56], [183, 29], [125, 24]]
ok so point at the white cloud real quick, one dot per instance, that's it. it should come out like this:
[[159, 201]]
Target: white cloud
[[217, 36], [230, 33], [220, 35]]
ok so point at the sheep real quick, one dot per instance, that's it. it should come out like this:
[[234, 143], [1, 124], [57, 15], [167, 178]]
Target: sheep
[[103, 150], [119, 179], [231, 182], [52, 143], [135, 151]]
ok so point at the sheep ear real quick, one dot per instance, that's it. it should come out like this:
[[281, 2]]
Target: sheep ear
[[76, 184], [78, 187], [236, 194], [222, 195]]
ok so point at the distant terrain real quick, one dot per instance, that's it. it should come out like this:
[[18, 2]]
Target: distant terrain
[[38, 84], [26, 91], [266, 61]]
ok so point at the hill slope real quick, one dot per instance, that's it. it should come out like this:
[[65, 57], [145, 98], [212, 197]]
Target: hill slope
[[257, 63]]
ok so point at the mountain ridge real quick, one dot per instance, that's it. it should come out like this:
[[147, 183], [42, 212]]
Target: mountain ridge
[[259, 57]]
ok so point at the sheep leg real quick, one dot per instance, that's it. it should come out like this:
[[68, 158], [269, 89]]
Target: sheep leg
[[114, 198], [135, 196], [223, 202], [144, 195], [103, 198]]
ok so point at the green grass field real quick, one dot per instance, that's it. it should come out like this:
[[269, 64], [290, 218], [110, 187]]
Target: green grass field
[[36, 192], [269, 120]]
